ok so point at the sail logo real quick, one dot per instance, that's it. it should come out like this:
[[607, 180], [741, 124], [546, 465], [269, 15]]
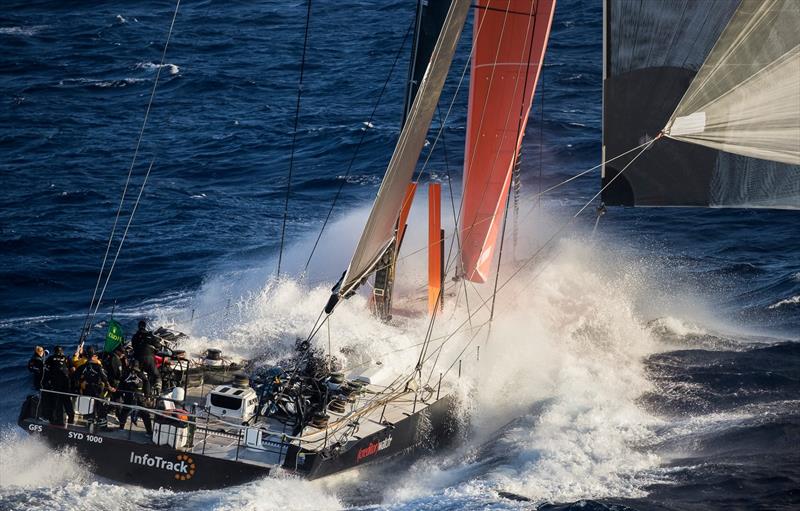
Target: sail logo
[[184, 467], [373, 448]]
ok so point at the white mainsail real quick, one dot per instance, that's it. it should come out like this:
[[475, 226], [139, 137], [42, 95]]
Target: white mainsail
[[379, 231], [745, 99]]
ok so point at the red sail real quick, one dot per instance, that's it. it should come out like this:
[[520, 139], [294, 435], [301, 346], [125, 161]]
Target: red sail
[[509, 37]]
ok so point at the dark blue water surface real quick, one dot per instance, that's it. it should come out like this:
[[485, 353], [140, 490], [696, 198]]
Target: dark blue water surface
[[75, 78]]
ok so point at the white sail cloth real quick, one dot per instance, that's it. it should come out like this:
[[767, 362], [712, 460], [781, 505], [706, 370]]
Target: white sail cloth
[[379, 231], [745, 99]]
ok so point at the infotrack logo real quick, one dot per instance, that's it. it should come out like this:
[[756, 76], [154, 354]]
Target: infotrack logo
[[183, 468]]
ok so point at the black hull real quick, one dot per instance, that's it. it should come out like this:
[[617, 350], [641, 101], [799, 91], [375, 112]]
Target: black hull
[[433, 427], [147, 465], [153, 466]]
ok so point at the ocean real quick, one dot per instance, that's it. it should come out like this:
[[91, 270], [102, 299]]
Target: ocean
[[650, 363]]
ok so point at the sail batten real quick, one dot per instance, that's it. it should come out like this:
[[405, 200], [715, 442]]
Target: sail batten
[[379, 231]]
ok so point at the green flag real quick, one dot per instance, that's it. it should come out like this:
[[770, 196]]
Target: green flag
[[114, 337]]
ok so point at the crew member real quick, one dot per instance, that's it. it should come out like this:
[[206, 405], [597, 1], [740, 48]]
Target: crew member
[[135, 390], [145, 346], [78, 359], [114, 364], [36, 366], [56, 378], [93, 382]]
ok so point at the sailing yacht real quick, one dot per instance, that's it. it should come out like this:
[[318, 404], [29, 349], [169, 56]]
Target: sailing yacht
[[699, 115]]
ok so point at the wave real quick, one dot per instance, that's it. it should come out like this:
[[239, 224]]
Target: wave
[[171, 68], [580, 353], [795, 300], [102, 84], [23, 31], [35, 477], [675, 326]]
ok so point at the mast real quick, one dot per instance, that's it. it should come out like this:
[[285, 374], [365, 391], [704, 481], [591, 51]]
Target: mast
[[430, 17]]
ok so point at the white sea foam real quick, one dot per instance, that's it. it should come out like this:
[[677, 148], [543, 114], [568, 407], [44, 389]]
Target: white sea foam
[[32, 476], [566, 333], [101, 83], [564, 360], [170, 68], [567, 342], [24, 31], [788, 301], [677, 326], [27, 463]]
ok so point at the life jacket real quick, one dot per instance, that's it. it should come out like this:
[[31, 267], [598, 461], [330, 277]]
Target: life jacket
[[57, 377], [113, 366], [91, 380], [134, 381]]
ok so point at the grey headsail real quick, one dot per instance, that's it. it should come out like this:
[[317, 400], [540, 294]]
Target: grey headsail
[[746, 97], [379, 230], [653, 51]]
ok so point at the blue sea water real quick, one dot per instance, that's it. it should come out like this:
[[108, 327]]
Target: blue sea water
[[716, 423]]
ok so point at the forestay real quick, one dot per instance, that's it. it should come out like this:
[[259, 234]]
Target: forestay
[[746, 97], [379, 231]]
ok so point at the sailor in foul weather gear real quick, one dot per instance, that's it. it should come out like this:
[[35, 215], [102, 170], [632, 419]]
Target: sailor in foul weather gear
[[93, 382], [135, 390], [145, 346], [36, 366], [56, 377], [78, 359], [114, 365]]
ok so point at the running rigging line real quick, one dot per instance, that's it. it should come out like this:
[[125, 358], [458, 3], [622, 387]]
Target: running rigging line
[[121, 242], [87, 321], [294, 139], [534, 6], [516, 158], [215, 310], [525, 263], [358, 147]]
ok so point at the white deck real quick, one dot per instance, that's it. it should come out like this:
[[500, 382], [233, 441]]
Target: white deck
[[372, 410]]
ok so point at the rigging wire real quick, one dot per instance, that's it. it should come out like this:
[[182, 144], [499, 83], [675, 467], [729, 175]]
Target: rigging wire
[[517, 154], [569, 222], [452, 200], [548, 190], [87, 321], [214, 310], [122, 241], [531, 25], [358, 146], [294, 139], [480, 125]]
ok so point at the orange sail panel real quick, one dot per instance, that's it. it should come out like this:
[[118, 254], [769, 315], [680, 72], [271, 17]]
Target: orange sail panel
[[405, 209], [509, 37], [434, 245]]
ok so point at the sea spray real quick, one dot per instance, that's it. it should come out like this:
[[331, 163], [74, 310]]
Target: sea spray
[[564, 363]]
